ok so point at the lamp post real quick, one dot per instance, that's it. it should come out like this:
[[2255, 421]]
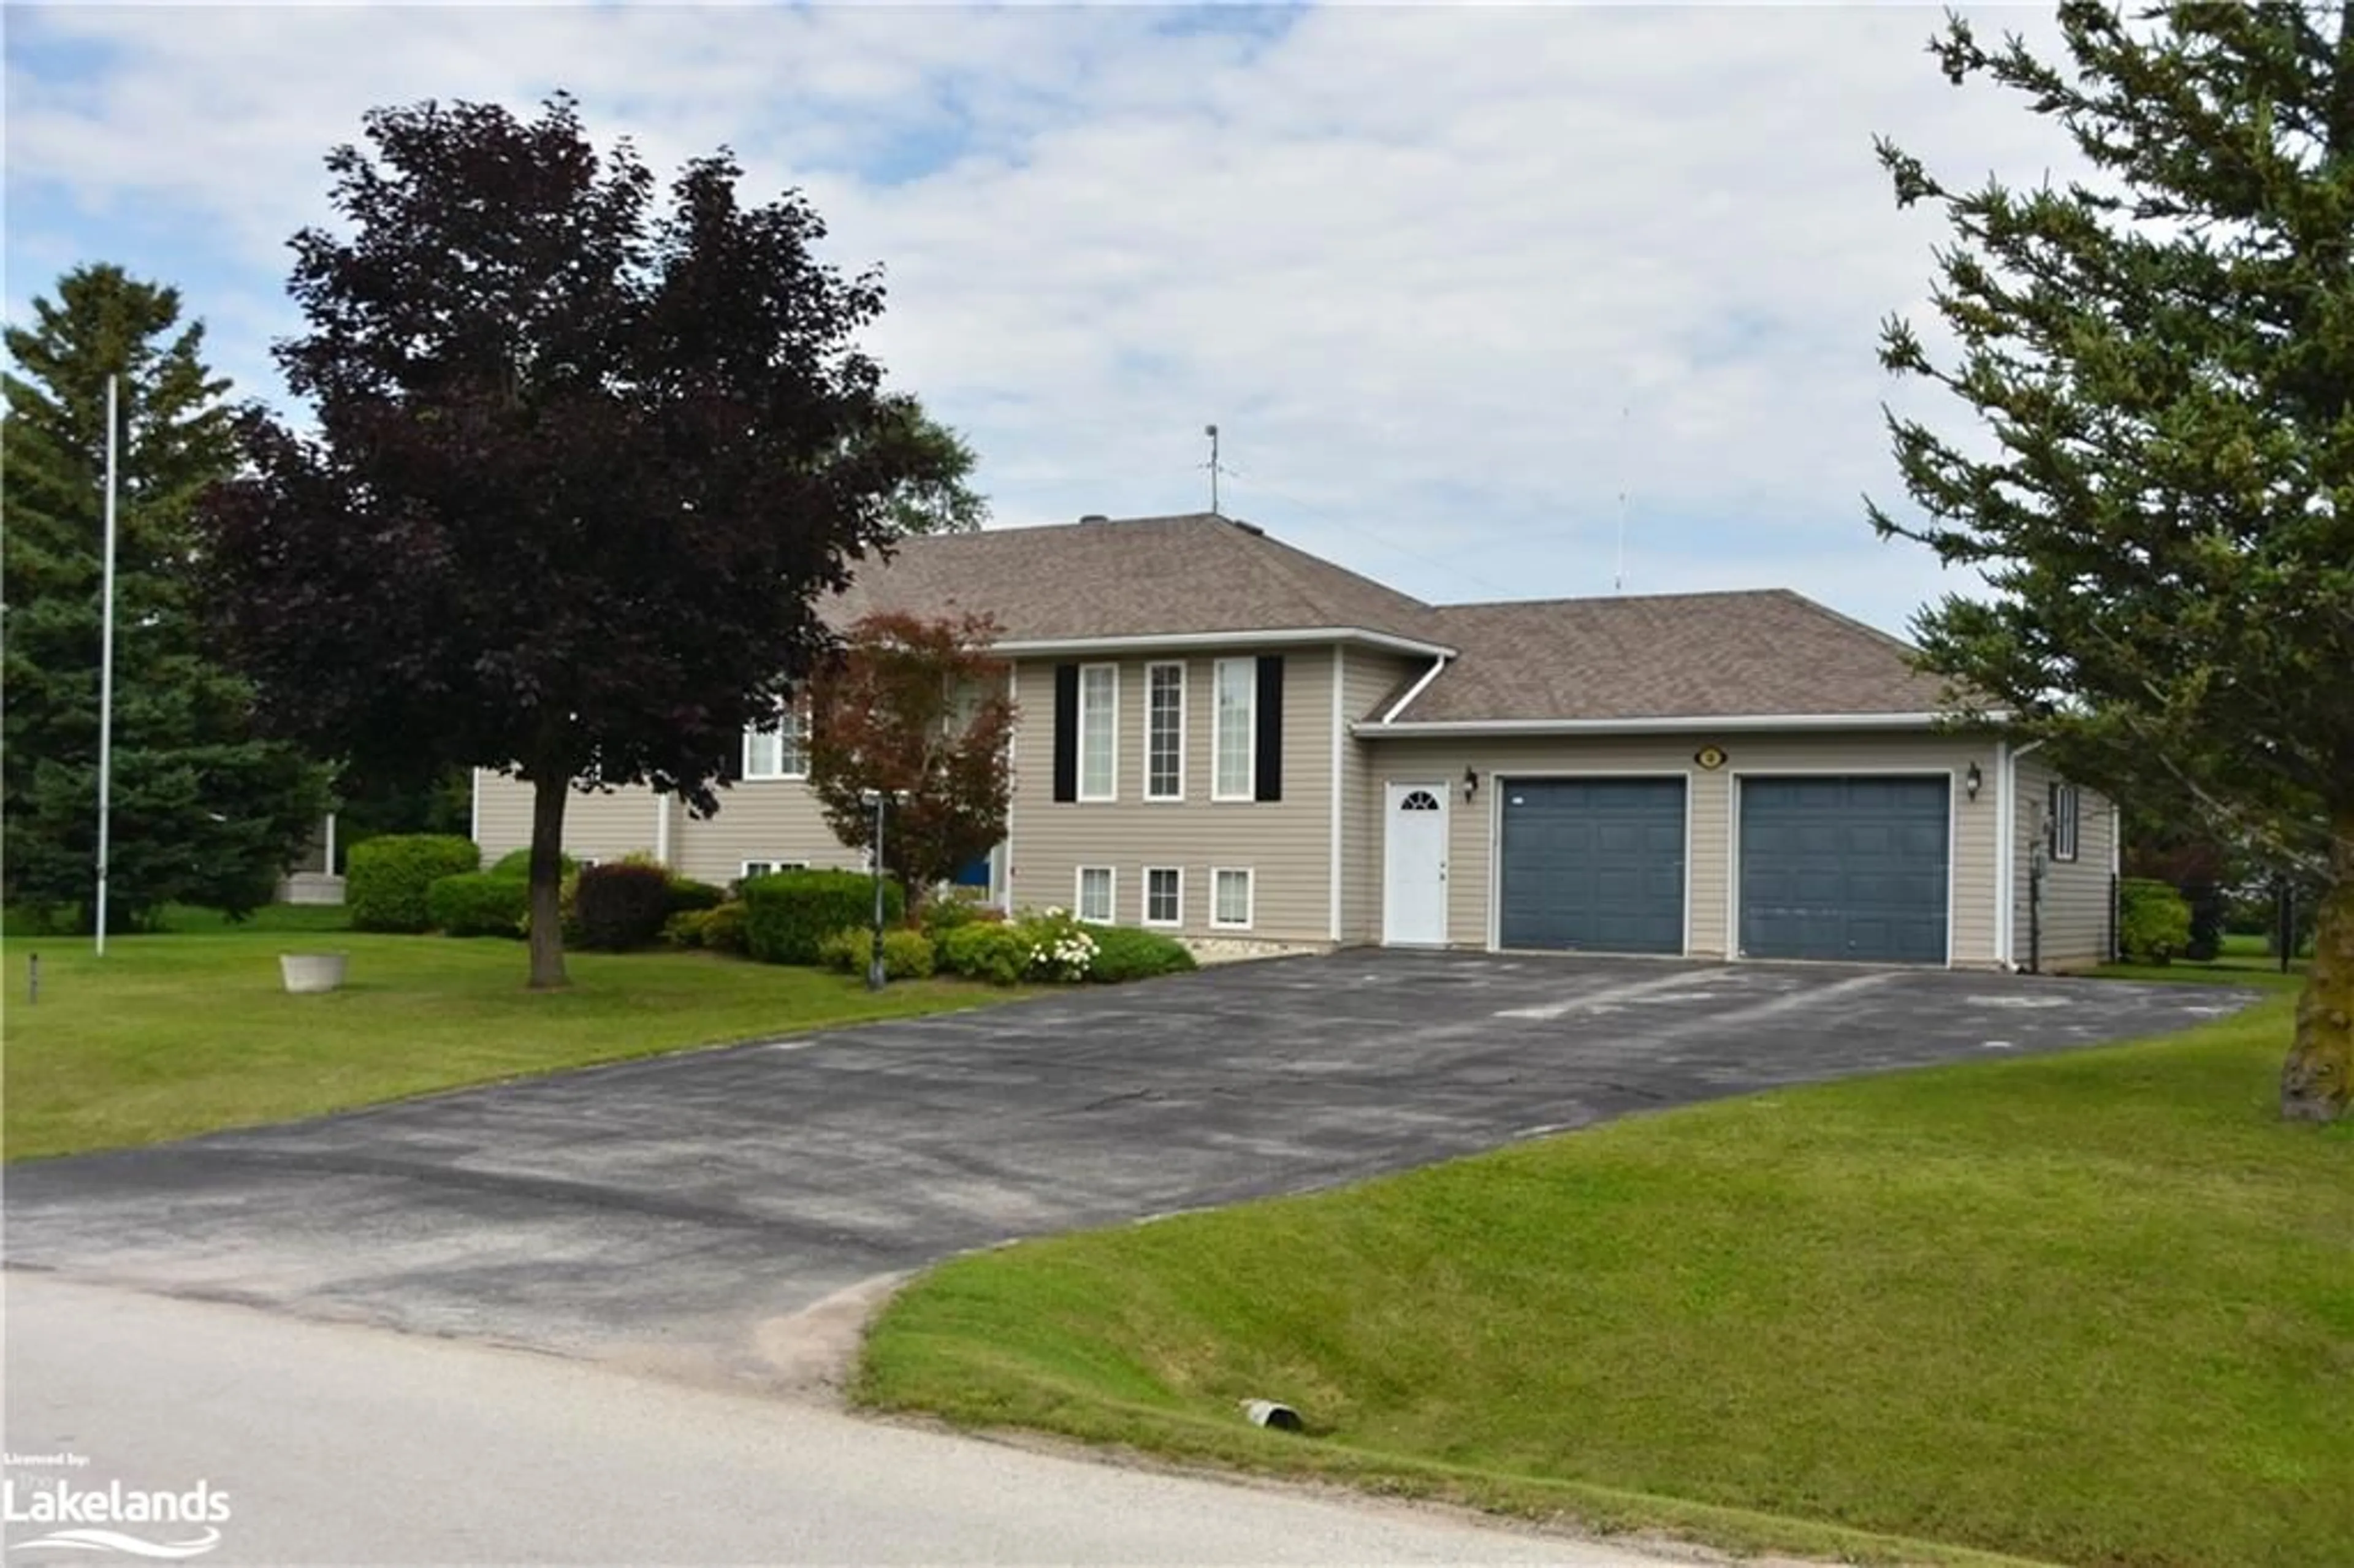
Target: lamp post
[[880, 800]]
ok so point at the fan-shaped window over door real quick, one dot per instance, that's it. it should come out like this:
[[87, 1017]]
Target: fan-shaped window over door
[[1420, 800]]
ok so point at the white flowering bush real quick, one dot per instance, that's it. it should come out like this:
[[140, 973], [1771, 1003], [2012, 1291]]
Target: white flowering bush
[[1060, 950]]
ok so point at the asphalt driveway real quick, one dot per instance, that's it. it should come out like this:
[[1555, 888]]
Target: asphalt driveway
[[677, 1209]]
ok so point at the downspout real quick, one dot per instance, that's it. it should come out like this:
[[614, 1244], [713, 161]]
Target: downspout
[[662, 827], [1337, 845], [2006, 776], [2003, 848], [1415, 690]]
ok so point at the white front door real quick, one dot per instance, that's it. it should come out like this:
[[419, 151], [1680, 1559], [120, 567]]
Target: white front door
[[1414, 866]]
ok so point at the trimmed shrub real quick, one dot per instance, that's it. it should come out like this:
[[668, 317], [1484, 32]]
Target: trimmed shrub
[[906, 955], [686, 893], [723, 927], [478, 904], [987, 951], [685, 929], [517, 863], [2153, 921], [1128, 953], [621, 905], [388, 880], [786, 915]]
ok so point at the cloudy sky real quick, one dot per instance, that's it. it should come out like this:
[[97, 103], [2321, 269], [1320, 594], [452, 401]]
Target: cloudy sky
[[1451, 280]]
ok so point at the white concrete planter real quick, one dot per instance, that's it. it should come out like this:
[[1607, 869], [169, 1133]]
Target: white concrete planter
[[308, 973]]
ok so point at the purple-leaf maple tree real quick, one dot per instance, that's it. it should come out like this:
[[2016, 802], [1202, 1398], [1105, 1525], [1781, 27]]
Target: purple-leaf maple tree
[[585, 455], [921, 707]]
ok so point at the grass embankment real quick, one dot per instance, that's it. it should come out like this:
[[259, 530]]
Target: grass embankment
[[2095, 1308], [189, 1031]]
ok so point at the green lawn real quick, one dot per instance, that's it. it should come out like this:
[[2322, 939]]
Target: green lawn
[[189, 1031], [2092, 1308]]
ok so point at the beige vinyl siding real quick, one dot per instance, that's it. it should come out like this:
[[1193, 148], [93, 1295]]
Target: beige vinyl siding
[[1710, 874], [771, 820], [602, 825], [1368, 677], [1285, 845], [2074, 917], [759, 819]]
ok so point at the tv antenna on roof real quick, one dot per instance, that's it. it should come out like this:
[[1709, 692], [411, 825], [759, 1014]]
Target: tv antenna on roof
[[1212, 431]]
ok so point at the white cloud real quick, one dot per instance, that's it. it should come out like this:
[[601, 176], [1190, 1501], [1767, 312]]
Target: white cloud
[[1450, 277]]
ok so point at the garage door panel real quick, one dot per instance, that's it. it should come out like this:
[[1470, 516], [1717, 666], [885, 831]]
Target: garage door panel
[[1595, 865], [1845, 867]]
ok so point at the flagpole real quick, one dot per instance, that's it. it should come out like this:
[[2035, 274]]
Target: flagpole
[[106, 673]]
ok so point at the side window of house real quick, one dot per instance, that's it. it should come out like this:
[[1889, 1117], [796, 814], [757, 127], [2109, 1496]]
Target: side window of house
[[779, 749], [2064, 808]]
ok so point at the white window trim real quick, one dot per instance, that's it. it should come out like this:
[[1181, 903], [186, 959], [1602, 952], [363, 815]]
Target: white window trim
[[1111, 898], [1218, 734], [1144, 907], [1182, 697], [1111, 724], [801, 721], [1250, 897], [2067, 821], [743, 868]]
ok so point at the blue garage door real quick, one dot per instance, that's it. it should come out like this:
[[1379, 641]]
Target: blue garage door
[[1846, 867], [1595, 864]]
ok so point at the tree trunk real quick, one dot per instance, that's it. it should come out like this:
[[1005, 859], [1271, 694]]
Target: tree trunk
[[548, 789], [2317, 1082]]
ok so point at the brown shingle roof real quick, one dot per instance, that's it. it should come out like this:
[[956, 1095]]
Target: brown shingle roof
[[1132, 577], [1713, 655], [1708, 656]]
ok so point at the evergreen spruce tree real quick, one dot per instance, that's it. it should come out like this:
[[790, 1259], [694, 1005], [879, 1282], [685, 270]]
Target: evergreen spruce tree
[[204, 812], [2162, 367]]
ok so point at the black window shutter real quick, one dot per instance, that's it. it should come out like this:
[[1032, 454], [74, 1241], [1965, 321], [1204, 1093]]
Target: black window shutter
[[1066, 732], [1270, 727], [731, 762]]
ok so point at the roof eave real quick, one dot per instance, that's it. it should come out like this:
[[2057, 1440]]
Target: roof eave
[[1668, 724], [1281, 637]]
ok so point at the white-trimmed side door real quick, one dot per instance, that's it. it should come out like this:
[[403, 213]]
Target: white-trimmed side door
[[1414, 866]]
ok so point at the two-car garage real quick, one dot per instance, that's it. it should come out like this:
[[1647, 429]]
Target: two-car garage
[[1852, 867]]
